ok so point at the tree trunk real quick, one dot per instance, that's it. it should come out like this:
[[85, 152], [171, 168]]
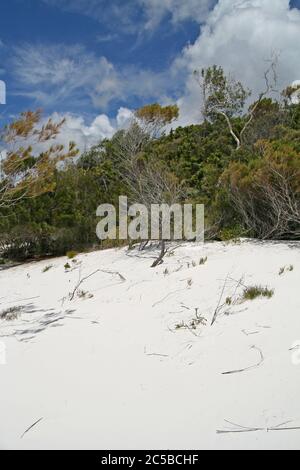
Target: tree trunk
[[163, 252]]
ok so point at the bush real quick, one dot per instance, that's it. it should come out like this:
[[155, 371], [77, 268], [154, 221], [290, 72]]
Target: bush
[[253, 292], [71, 254]]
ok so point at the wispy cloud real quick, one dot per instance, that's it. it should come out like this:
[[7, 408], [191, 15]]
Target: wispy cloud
[[53, 74], [134, 16]]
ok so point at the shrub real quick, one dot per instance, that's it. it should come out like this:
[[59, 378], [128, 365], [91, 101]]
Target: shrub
[[10, 314], [253, 292], [71, 254], [47, 268]]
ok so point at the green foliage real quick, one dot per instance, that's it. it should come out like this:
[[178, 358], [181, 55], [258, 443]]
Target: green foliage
[[71, 254], [221, 94], [241, 188], [47, 268], [253, 292]]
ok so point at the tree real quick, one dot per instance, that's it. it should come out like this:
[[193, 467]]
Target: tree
[[29, 158], [147, 180], [154, 118], [266, 192], [224, 96], [292, 94]]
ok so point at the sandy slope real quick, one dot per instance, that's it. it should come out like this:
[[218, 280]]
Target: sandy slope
[[112, 372]]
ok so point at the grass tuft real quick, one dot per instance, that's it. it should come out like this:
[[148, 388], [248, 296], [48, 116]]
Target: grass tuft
[[253, 292]]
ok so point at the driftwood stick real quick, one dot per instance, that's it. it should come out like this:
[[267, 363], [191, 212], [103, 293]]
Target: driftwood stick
[[216, 312], [248, 368], [243, 429], [81, 281], [30, 427]]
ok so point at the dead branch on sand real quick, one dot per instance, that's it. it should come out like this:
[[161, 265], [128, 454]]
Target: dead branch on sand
[[248, 368], [242, 429], [31, 427], [81, 281]]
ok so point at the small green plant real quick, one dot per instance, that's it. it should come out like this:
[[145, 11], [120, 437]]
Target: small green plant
[[47, 268], [253, 292], [10, 314], [67, 266], [203, 261], [84, 295], [231, 234], [192, 324], [180, 326], [71, 254], [190, 282], [166, 272], [229, 301], [284, 269]]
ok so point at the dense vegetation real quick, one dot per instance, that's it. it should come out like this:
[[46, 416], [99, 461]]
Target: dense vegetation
[[251, 189]]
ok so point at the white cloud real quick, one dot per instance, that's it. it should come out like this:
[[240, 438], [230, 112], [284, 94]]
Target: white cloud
[[133, 16], [178, 10], [241, 36], [57, 74], [86, 135], [124, 118], [296, 94]]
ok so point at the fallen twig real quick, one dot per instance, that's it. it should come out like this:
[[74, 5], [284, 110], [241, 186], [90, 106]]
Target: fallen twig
[[248, 368], [219, 306], [30, 427], [115, 273], [243, 429], [81, 281], [168, 295], [155, 354]]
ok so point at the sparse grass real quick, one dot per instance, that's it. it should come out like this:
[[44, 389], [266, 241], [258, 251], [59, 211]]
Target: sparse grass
[[166, 272], [47, 268], [11, 313], [67, 267], [190, 282], [84, 295], [71, 254], [203, 261], [285, 269], [192, 324], [253, 292]]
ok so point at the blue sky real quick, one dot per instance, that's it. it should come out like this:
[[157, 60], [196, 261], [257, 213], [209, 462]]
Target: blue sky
[[97, 59], [38, 22]]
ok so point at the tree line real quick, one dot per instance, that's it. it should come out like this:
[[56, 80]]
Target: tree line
[[243, 165]]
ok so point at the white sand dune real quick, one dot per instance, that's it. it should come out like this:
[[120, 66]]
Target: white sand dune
[[113, 372]]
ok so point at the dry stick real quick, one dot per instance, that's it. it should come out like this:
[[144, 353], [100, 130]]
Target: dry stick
[[23, 300], [243, 429], [123, 279], [158, 355], [168, 295], [81, 282], [32, 426], [90, 275], [248, 368], [219, 303]]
